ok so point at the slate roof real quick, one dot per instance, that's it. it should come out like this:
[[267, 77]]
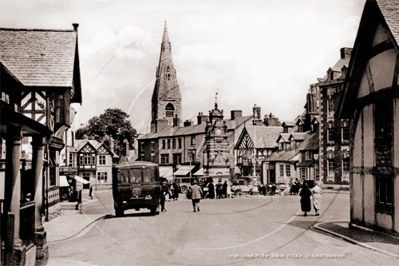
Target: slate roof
[[287, 155], [192, 130], [298, 135], [390, 11], [284, 136], [39, 57], [263, 136]]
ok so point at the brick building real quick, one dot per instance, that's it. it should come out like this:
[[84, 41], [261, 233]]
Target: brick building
[[334, 132]]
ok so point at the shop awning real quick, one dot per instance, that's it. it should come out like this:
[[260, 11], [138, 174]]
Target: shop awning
[[305, 164], [63, 181], [200, 172], [184, 170], [166, 172], [81, 180]]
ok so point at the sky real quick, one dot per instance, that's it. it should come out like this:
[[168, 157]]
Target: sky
[[263, 52]]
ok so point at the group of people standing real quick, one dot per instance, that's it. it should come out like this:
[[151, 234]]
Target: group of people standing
[[217, 191], [309, 196]]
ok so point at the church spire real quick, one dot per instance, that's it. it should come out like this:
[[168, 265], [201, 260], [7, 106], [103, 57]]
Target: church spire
[[166, 98]]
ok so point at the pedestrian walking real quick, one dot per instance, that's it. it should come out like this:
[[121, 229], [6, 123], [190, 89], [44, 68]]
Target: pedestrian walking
[[219, 190], [175, 191], [317, 192], [305, 195], [211, 188], [196, 195], [91, 191], [164, 192], [225, 189]]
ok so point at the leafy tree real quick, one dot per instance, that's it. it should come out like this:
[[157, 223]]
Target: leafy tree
[[112, 123]]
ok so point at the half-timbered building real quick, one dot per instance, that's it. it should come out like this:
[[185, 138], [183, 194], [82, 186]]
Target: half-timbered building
[[254, 145], [371, 102], [43, 79]]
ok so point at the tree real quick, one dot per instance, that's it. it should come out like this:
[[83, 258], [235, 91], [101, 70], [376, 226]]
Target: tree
[[112, 123]]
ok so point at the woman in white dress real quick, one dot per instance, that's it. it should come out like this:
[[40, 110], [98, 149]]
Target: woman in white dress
[[228, 190], [317, 191]]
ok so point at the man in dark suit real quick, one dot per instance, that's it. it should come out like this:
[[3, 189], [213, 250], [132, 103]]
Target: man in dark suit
[[196, 195]]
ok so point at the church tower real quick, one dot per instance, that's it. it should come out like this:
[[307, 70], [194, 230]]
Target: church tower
[[166, 98]]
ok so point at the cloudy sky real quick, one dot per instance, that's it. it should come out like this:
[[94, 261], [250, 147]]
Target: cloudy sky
[[264, 52]]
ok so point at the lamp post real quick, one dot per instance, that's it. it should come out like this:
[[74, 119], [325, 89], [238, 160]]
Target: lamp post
[[190, 158]]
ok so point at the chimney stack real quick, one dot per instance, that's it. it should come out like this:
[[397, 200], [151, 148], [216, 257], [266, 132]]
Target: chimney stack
[[346, 52], [235, 114]]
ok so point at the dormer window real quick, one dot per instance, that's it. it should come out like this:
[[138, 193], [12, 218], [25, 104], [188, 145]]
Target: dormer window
[[331, 75]]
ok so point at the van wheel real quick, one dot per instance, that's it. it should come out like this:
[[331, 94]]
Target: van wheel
[[183, 189], [119, 212]]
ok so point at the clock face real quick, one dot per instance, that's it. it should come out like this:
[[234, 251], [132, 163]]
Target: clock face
[[218, 132]]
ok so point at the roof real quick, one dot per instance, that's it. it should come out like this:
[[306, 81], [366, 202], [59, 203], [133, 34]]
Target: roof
[[41, 57], [286, 155], [192, 130], [298, 135], [80, 143], [284, 136], [390, 12], [263, 136], [374, 11], [312, 143]]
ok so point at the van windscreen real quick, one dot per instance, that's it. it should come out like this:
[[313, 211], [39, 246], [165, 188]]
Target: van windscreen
[[135, 175], [148, 174]]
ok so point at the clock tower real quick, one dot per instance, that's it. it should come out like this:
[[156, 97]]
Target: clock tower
[[216, 153]]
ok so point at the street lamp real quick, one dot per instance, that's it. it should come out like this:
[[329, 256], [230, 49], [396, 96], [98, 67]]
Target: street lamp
[[190, 158]]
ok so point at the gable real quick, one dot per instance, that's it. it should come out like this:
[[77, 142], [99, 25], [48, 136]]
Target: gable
[[244, 141], [103, 150], [373, 67], [88, 148]]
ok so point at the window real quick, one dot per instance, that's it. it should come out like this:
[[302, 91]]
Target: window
[[163, 144], [81, 159], [152, 158], [169, 144], [303, 172], [87, 158], [330, 167], [383, 114], [169, 110], [288, 145], [174, 143], [179, 143], [385, 189], [345, 134], [101, 159], [142, 146], [70, 163], [317, 173], [177, 158], [281, 170], [152, 146], [293, 144], [280, 146], [288, 170], [330, 107], [164, 158], [102, 177], [345, 165], [331, 135], [300, 128], [192, 140], [308, 155]]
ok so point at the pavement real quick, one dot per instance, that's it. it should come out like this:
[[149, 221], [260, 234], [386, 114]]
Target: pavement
[[71, 223]]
